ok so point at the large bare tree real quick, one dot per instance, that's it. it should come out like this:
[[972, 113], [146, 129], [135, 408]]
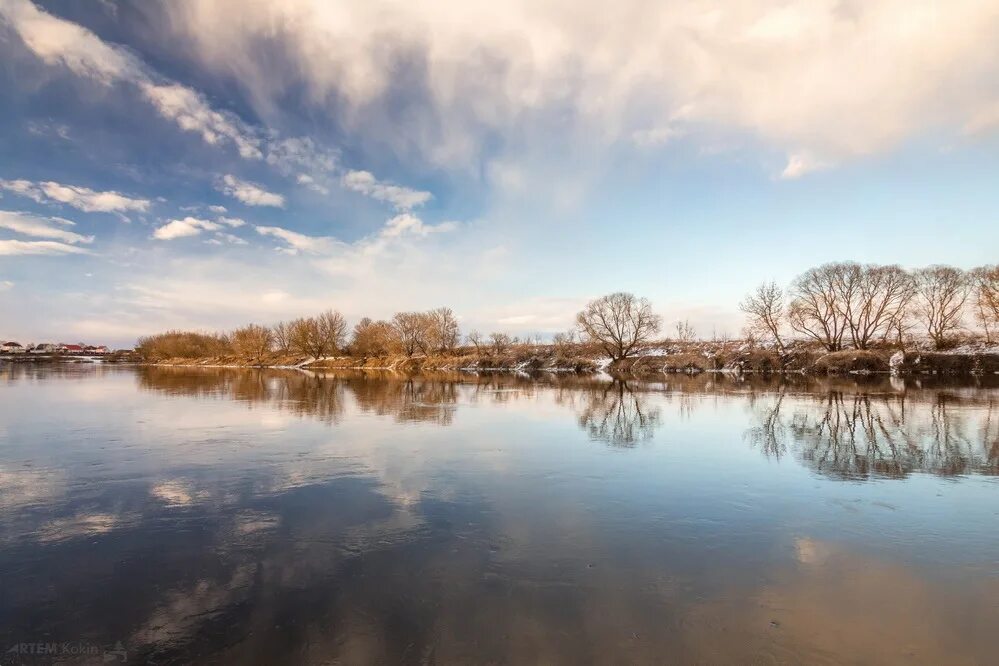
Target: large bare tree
[[941, 292], [816, 307], [619, 323], [764, 309], [876, 297]]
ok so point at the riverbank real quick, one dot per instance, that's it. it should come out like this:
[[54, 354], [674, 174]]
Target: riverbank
[[689, 358]]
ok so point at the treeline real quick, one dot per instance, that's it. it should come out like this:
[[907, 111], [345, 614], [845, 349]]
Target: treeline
[[860, 305], [616, 324], [836, 305], [409, 333]]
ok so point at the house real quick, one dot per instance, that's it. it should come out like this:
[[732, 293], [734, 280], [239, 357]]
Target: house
[[45, 348], [11, 347], [71, 349]]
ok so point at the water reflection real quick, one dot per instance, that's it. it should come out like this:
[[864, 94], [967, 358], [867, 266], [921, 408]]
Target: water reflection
[[240, 516], [851, 429], [857, 435]]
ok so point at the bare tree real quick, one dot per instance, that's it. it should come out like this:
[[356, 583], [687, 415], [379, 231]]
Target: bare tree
[[500, 342], [764, 309], [941, 292], [685, 332], [252, 342], [442, 332], [281, 332], [564, 342], [985, 280], [411, 329], [876, 298], [374, 338], [475, 339], [619, 323], [319, 336], [816, 308]]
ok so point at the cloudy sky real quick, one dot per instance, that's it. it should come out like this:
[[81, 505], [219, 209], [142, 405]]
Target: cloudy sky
[[209, 163]]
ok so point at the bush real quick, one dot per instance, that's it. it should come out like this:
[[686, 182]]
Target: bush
[[851, 361], [182, 344]]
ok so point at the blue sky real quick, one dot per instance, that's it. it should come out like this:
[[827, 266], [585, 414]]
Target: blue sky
[[207, 164]]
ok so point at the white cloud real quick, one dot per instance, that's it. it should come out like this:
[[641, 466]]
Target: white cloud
[[407, 223], [81, 198], [232, 221], [800, 164], [835, 78], [10, 248], [310, 182], [218, 209], [57, 41], [249, 193], [403, 198], [6, 285], [189, 226], [190, 111], [53, 228], [299, 242]]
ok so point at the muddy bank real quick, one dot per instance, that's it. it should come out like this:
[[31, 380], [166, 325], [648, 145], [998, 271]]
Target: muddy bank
[[693, 358]]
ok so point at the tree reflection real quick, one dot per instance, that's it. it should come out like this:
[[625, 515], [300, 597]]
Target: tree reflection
[[886, 435], [619, 416]]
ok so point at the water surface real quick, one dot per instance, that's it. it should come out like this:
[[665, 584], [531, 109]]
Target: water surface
[[175, 515]]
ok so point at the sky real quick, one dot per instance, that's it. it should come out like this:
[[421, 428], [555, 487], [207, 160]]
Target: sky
[[210, 163]]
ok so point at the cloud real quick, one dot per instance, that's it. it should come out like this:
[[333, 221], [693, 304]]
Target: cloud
[[655, 137], [800, 164], [81, 198], [189, 226], [406, 223], [57, 41], [403, 198], [6, 285], [53, 228], [839, 79], [299, 242], [233, 222], [249, 193], [190, 111], [10, 248]]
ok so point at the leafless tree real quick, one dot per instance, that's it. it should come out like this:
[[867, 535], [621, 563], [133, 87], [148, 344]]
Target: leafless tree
[[685, 332], [475, 339], [442, 334], [764, 309], [281, 332], [411, 329], [252, 342], [319, 336], [374, 338], [816, 303], [985, 280], [875, 298], [501, 342], [619, 323], [941, 292], [564, 342]]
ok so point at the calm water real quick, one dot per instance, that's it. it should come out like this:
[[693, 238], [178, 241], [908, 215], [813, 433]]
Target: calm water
[[174, 515]]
